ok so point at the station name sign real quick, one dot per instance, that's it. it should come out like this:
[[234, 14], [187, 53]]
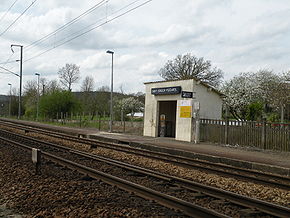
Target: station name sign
[[166, 90]]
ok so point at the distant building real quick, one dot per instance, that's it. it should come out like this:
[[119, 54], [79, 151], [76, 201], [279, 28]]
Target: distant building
[[171, 106], [136, 115]]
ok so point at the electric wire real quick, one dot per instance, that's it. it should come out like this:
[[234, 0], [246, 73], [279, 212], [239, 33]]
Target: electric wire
[[3, 68], [87, 27], [4, 15], [17, 18], [76, 19], [7, 62], [93, 28]]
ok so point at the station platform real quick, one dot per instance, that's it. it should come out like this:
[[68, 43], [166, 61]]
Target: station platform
[[245, 157]]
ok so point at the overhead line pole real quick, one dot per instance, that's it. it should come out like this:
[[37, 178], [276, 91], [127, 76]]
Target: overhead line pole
[[10, 99], [20, 75], [111, 102], [37, 107]]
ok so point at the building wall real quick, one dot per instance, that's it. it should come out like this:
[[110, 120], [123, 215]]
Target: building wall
[[210, 102], [210, 107]]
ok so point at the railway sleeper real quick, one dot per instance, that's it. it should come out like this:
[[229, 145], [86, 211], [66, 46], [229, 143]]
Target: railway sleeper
[[248, 212], [221, 201], [136, 174]]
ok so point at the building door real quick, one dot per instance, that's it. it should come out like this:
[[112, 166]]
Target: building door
[[167, 114]]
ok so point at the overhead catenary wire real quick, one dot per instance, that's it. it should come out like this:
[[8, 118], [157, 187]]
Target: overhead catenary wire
[[9, 71], [104, 18], [7, 62], [17, 18], [76, 19], [91, 29], [4, 15]]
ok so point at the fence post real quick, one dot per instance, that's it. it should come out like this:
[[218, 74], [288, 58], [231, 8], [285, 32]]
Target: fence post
[[227, 131], [99, 115], [61, 117], [196, 127], [263, 139], [227, 127]]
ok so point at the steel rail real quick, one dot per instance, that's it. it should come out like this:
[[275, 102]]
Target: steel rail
[[147, 193], [269, 179], [262, 206]]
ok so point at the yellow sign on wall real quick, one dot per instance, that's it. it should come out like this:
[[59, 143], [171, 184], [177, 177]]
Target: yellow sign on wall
[[185, 111]]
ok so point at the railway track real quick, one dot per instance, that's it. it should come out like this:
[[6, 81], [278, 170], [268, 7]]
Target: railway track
[[272, 180], [197, 190]]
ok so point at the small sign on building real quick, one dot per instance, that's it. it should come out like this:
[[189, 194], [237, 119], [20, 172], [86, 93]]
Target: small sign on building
[[185, 108], [185, 94]]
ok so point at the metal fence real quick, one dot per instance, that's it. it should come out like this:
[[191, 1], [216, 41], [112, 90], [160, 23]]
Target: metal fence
[[273, 136], [82, 121]]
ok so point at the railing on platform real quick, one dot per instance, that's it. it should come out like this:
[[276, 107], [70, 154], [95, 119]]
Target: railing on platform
[[273, 136]]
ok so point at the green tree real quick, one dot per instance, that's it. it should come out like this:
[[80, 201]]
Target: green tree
[[58, 102], [102, 101], [30, 98]]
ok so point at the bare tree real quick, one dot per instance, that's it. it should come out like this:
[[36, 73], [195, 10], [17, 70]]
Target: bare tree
[[121, 89], [87, 84], [189, 67], [43, 83], [52, 86], [48, 87], [104, 89], [69, 75], [30, 87]]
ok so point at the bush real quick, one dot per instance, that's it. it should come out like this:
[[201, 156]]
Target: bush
[[58, 102]]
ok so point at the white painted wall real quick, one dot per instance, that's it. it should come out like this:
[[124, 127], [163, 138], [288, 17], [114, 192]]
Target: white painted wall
[[210, 102], [210, 107]]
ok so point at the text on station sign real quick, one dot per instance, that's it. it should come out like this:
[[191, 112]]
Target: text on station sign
[[166, 90]]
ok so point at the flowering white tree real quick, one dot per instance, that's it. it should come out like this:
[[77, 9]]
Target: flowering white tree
[[130, 106], [264, 87]]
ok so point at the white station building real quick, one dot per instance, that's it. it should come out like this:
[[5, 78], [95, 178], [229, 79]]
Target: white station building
[[171, 107]]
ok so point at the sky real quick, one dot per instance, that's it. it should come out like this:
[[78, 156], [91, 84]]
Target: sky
[[236, 36]]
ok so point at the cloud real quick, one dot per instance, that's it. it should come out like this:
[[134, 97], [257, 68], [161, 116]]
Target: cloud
[[235, 35]]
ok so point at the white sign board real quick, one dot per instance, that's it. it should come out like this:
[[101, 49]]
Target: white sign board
[[185, 103]]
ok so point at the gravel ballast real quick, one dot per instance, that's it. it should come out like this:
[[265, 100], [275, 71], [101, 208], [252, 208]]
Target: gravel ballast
[[59, 192], [270, 194], [262, 192]]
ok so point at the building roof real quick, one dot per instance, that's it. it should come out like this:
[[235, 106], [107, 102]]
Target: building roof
[[202, 83]]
